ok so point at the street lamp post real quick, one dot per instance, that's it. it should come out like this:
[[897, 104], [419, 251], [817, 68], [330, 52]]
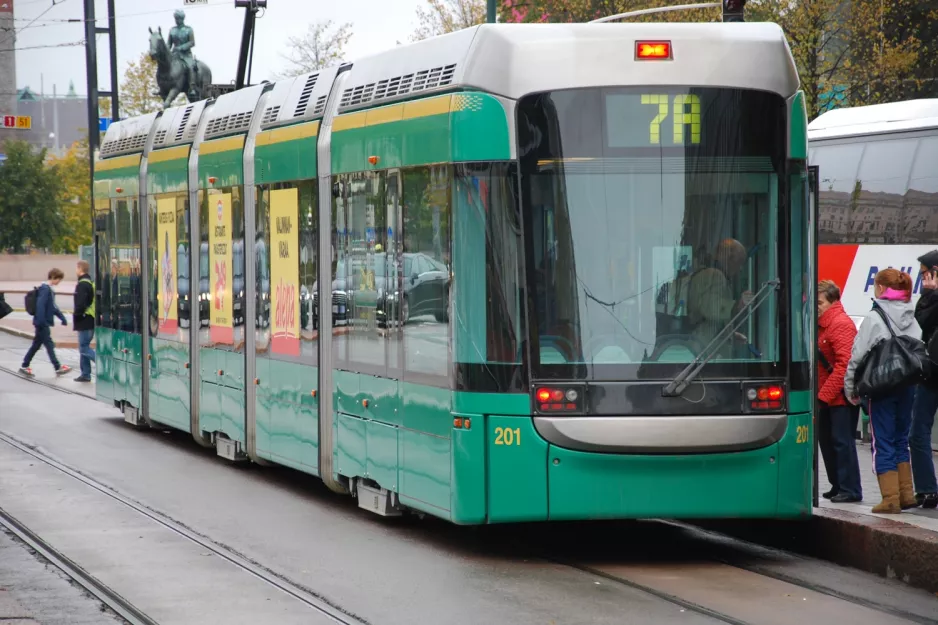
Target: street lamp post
[[490, 11]]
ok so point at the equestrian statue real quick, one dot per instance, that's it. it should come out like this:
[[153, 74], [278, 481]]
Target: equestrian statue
[[177, 70]]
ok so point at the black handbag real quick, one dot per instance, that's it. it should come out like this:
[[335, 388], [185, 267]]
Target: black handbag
[[893, 363], [5, 309]]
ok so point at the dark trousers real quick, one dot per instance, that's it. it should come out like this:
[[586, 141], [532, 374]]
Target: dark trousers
[[43, 338], [890, 423], [836, 427], [923, 419]]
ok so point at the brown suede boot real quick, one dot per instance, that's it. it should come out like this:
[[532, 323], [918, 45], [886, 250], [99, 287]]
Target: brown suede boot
[[906, 492], [889, 487]]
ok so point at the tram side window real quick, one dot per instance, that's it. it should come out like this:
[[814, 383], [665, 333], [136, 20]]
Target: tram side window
[[424, 296], [802, 284], [262, 275], [920, 223], [487, 259], [125, 267], [222, 267], [285, 271], [170, 285], [364, 272]]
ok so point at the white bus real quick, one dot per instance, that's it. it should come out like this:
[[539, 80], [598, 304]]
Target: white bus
[[878, 183]]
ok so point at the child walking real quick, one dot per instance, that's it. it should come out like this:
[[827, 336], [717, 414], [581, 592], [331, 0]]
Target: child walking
[[43, 320]]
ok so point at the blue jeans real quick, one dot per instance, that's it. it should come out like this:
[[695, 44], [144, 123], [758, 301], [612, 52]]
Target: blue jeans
[[43, 338], [923, 418], [87, 354], [890, 422]]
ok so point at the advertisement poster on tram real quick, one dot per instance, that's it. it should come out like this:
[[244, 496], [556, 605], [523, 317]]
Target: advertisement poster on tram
[[220, 257], [285, 272], [166, 265]]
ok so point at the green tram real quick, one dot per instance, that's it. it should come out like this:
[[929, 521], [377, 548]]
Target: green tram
[[513, 273]]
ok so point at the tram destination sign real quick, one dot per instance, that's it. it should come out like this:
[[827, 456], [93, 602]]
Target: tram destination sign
[[21, 122]]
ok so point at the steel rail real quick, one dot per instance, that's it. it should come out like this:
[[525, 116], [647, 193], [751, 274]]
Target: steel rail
[[303, 595], [110, 597]]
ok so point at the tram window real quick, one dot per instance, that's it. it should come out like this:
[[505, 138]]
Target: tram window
[[488, 309], [366, 271], [920, 214], [642, 245], [262, 275], [802, 284], [286, 271], [222, 261], [170, 286], [339, 271], [422, 294]]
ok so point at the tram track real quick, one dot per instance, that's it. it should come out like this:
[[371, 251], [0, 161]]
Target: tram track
[[689, 551], [307, 596], [692, 579], [107, 595]]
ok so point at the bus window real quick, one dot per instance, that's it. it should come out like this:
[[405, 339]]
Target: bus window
[[838, 165], [881, 184], [920, 217]]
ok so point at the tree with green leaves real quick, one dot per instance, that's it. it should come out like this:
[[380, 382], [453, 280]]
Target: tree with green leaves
[[447, 16], [139, 93], [322, 45], [75, 198], [30, 192]]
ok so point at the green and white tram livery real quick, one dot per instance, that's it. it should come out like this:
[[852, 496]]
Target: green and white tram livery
[[514, 273]]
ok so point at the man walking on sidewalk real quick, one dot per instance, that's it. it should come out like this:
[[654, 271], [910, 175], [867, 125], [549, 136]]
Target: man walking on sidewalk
[[43, 320], [83, 319]]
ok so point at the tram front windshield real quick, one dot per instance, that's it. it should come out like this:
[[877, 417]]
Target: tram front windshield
[[651, 215]]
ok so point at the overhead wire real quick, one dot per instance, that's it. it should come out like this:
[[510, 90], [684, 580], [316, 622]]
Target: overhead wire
[[33, 21]]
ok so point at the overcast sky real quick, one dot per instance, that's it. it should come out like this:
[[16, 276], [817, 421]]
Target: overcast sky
[[376, 25]]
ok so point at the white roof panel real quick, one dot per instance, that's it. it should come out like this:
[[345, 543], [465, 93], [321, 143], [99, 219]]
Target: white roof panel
[[513, 60], [875, 119]]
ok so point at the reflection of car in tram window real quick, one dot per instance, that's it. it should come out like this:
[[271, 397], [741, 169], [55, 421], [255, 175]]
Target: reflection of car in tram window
[[182, 283], [262, 296], [339, 296], [237, 280], [203, 285], [425, 287]]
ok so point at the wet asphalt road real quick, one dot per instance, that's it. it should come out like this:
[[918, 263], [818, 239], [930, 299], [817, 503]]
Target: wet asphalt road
[[407, 570]]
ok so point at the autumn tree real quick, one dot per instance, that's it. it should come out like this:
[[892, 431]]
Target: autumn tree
[[868, 52], [74, 199], [139, 93], [446, 16], [322, 45], [30, 193]]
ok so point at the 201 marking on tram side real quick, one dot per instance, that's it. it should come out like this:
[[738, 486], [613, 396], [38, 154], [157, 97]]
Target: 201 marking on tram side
[[507, 436]]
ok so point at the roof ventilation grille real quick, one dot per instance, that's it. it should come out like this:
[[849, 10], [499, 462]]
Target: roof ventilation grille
[[305, 95]]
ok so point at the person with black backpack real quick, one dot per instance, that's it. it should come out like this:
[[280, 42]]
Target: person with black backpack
[[926, 395], [40, 303], [887, 361], [837, 418]]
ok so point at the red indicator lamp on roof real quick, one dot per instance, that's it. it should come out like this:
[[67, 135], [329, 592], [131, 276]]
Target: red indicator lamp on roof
[[653, 50]]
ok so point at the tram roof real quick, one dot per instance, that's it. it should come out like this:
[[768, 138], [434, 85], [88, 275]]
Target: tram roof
[[509, 60], [875, 119], [514, 60]]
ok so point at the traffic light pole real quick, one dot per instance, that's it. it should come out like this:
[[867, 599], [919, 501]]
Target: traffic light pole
[[490, 11], [91, 67]]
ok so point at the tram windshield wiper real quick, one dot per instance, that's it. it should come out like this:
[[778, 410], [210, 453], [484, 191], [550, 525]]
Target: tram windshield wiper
[[680, 383]]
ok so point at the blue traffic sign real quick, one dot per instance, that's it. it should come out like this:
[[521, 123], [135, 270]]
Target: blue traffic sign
[[104, 123]]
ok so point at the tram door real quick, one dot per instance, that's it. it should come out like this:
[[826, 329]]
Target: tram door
[[394, 268]]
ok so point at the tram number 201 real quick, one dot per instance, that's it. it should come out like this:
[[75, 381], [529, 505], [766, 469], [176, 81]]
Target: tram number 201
[[801, 434], [507, 436]]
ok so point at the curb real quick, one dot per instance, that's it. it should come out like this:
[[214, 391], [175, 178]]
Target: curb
[[29, 335], [886, 547]]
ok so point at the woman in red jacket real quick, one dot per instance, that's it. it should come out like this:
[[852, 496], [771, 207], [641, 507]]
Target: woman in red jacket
[[837, 418]]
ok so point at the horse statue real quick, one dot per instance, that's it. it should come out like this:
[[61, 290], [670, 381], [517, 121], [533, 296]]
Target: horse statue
[[172, 74]]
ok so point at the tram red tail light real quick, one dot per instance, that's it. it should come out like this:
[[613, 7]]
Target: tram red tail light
[[553, 399], [653, 50], [765, 397]]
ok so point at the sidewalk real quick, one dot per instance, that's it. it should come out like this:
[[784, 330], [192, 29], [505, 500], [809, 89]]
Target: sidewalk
[[20, 324], [13, 348], [925, 519], [15, 293]]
